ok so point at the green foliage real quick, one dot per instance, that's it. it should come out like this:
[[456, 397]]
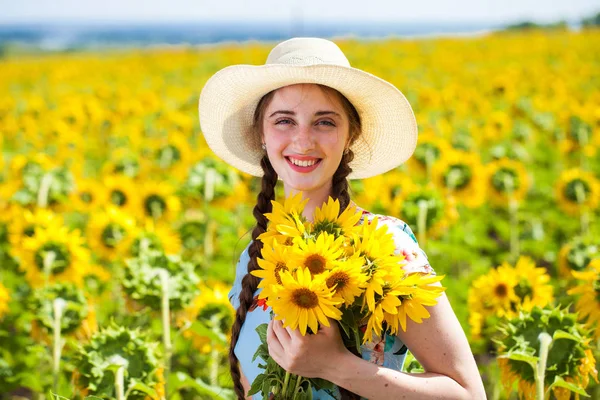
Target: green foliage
[[142, 280], [95, 362], [75, 310]]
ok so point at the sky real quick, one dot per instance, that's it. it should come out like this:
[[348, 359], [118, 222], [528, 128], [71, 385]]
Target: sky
[[17, 11]]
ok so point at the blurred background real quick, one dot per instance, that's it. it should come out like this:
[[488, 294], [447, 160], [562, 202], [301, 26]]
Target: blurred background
[[120, 230]]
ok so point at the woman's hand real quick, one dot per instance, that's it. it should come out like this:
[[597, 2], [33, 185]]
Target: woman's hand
[[308, 356]]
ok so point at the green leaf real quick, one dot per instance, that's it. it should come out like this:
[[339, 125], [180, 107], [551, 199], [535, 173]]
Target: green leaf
[[262, 332], [558, 334], [257, 385], [201, 329], [560, 382], [140, 387], [518, 356], [180, 380]]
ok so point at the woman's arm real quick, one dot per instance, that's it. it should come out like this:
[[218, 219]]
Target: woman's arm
[[245, 384], [439, 343]]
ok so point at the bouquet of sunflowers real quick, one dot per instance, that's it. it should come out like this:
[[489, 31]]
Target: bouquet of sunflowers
[[332, 267]]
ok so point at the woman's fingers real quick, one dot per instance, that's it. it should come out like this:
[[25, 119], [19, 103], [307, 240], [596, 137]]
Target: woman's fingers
[[275, 347], [283, 334]]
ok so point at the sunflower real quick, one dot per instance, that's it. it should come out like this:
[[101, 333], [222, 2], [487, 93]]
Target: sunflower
[[304, 302], [122, 193], [24, 223], [570, 360], [460, 174], [212, 308], [577, 189], [415, 291], [576, 255], [171, 156], [380, 192], [507, 179], [284, 217], [430, 149], [4, 299], [317, 255], [328, 219], [55, 251], [87, 196], [110, 232], [155, 236], [440, 211], [159, 201], [123, 162], [273, 261], [347, 280], [533, 287], [495, 291], [588, 305]]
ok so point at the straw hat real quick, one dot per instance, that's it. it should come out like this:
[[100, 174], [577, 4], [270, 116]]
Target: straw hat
[[230, 96]]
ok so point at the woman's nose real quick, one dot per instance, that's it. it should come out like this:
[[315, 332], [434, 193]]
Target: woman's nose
[[304, 138]]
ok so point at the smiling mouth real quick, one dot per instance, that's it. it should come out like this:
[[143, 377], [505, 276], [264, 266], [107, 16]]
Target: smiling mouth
[[304, 163]]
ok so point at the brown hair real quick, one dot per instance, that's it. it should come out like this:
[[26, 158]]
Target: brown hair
[[340, 190]]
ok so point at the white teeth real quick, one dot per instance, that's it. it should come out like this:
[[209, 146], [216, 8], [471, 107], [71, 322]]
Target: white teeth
[[302, 163]]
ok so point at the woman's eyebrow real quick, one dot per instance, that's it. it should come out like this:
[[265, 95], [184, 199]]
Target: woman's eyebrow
[[318, 113]]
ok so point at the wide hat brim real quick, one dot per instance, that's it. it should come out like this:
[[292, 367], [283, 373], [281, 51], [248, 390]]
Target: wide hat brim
[[229, 99]]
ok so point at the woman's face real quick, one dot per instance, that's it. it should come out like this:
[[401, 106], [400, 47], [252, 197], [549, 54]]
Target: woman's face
[[304, 125]]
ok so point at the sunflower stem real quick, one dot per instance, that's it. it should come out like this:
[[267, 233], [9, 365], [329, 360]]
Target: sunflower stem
[[297, 387], [42, 199], [583, 212], [49, 258], [513, 207], [422, 222], [209, 185], [120, 382], [540, 376], [58, 306], [429, 160], [214, 354], [164, 280], [285, 385], [211, 227]]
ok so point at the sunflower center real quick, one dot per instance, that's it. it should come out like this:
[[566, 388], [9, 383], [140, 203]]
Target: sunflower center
[[580, 255], [192, 234], [411, 209], [118, 198], [278, 268], [59, 260], [505, 180], [315, 263], [29, 230], [501, 290], [427, 153], [523, 289], [571, 190], [86, 197], [127, 167], [155, 206], [112, 235], [305, 298], [167, 156], [457, 176], [339, 278], [150, 242]]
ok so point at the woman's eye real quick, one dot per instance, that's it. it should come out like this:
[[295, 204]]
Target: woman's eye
[[283, 122], [328, 123]]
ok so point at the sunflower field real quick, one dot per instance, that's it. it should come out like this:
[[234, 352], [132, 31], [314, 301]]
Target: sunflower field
[[120, 230]]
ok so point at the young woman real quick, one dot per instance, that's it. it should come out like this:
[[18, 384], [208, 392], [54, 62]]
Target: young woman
[[308, 118]]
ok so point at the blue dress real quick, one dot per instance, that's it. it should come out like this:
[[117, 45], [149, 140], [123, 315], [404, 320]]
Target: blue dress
[[388, 352]]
